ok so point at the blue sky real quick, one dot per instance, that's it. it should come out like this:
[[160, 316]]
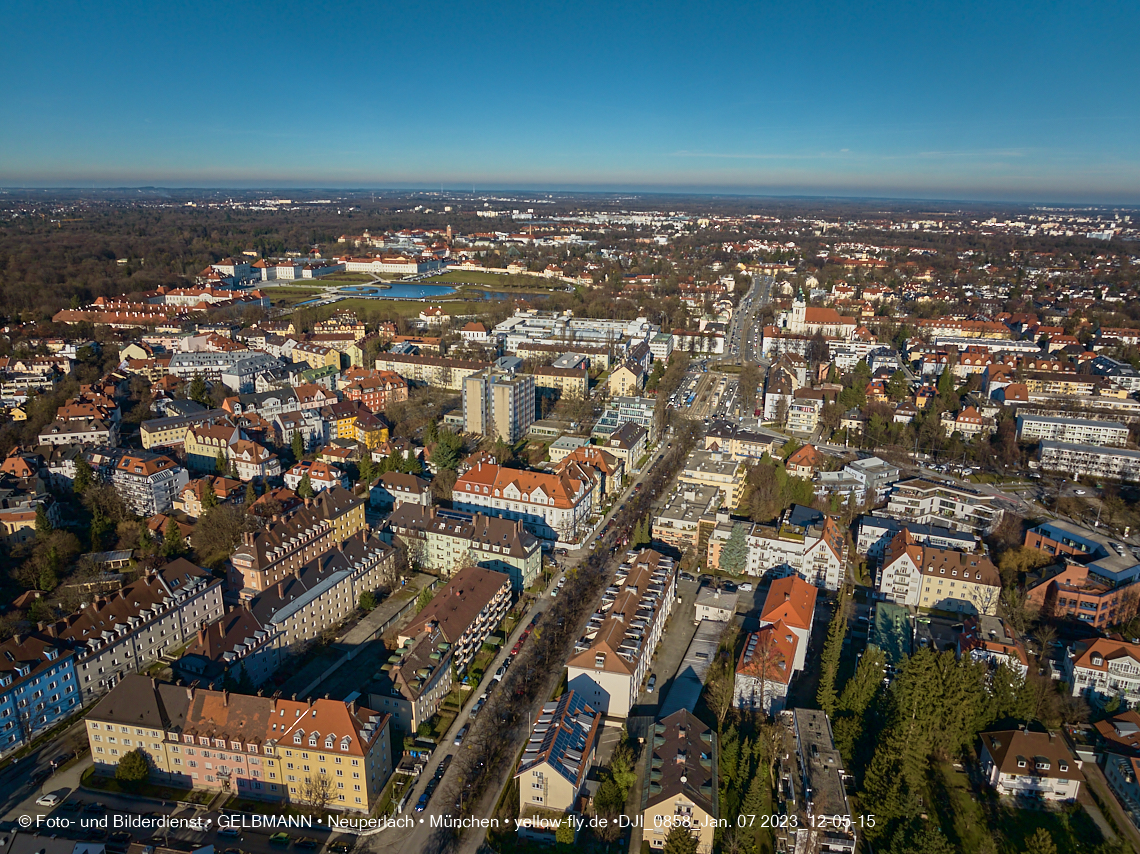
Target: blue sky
[[995, 100]]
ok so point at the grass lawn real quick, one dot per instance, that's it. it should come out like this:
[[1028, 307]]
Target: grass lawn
[[976, 822], [493, 280], [91, 780]]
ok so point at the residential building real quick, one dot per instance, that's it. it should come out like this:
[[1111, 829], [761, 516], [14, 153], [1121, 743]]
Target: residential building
[[148, 483], [609, 471], [619, 410], [1102, 669], [933, 502], [38, 686], [626, 380], [92, 431], [681, 777], [190, 498], [687, 514], [415, 681], [236, 649], [874, 534], [444, 541], [968, 423], [791, 600], [125, 631], [941, 579], [569, 383], [1092, 460], [1087, 592], [267, 556], [378, 390], [466, 610], [819, 788], [629, 444], [712, 468], [557, 757], [1120, 733], [989, 639], [611, 660], [498, 405], [765, 668], [395, 488], [561, 447], [552, 506], [869, 479], [323, 592], [1087, 431], [713, 604], [431, 370], [254, 746], [320, 474], [204, 444], [1121, 773], [804, 542], [1030, 765], [804, 462], [170, 432]]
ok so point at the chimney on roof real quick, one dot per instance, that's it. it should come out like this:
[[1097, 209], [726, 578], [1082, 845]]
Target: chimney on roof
[[294, 698], [189, 692], [281, 589], [787, 596], [225, 697], [202, 635]]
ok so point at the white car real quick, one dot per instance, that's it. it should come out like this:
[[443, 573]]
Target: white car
[[1078, 492], [746, 587], [47, 800]]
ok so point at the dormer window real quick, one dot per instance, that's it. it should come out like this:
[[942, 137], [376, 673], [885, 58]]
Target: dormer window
[[1020, 763], [313, 740], [297, 736], [329, 741], [344, 743]]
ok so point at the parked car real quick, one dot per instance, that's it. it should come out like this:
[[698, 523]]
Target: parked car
[[422, 803], [746, 587], [231, 832], [48, 800], [459, 736], [652, 683], [307, 842], [281, 839], [500, 673]]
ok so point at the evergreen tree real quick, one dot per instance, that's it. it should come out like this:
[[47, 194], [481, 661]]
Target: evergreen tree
[[220, 462], [100, 526], [172, 543], [83, 476], [922, 837], [209, 496], [305, 487], [198, 391], [250, 494], [680, 841], [1041, 842], [366, 469], [832, 650], [297, 446], [410, 463], [734, 553], [43, 523]]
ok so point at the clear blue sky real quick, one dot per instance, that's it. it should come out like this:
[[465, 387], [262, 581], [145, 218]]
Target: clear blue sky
[[963, 100]]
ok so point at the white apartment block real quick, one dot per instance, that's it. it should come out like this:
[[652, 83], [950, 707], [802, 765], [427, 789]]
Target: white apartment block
[[1034, 428], [148, 483], [805, 543], [1092, 460], [1031, 765], [932, 502], [127, 630], [1102, 669]]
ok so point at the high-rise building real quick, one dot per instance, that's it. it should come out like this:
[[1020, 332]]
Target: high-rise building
[[498, 404]]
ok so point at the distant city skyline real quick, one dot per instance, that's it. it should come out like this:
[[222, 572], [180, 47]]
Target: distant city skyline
[[944, 102]]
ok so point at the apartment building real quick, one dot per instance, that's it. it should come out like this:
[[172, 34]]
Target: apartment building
[[171, 432], [619, 410], [1087, 431], [1030, 765], [712, 468], [765, 668], [942, 579], [466, 610], [125, 631], [416, 680], [396, 488], [558, 755], [819, 788], [874, 534], [629, 443], [868, 479], [791, 601], [1101, 669], [236, 649], [323, 592], [968, 423], [498, 404], [734, 440], [321, 476], [625, 380], [211, 365], [443, 541], [989, 639], [804, 542], [265, 557], [611, 660], [38, 686], [569, 383], [687, 514], [934, 502], [681, 772], [608, 471], [148, 483], [551, 506], [436, 371], [1076, 460], [378, 390], [253, 746], [91, 431]]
